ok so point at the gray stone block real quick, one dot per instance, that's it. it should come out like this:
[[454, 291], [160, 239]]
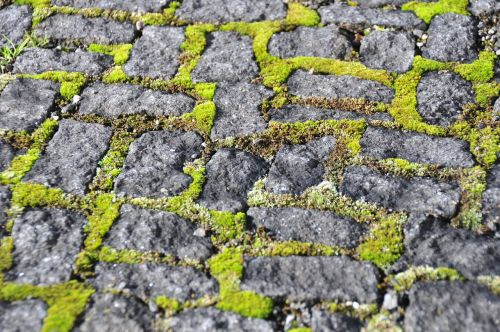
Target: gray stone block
[[22, 316], [298, 113], [7, 153], [325, 321], [491, 199], [140, 6], [14, 23]]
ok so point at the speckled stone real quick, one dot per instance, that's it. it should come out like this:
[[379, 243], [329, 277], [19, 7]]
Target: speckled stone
[[299, 113], [130, 5], [22, 316], [14, 23]]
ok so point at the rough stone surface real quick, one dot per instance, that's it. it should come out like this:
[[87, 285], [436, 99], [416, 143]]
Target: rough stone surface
[[327, 42], [130, 6], [4, 205], [7, 153], [154, 164], [39, 60], [46, 244], [80, 29], [418, 195], [324, 321], [155, 53], [304, 84], [491, 199], [484, 7], [228, 57], [231, 174], [441, 97], [452, 306], [310, 278], [384, 143], [294, 224], [298, 113], [14, 22], [389, 50], [367, 17], [433, 242], [238, 109], [25, 103], [72, 156], [220, 11], [298, 167], [213, 320], [108, 312], [157, 231], [452, 37], [147, 281], [113, 100], [22, 316]]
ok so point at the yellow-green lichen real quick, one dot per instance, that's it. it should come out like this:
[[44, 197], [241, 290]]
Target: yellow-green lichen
[[427, 10]]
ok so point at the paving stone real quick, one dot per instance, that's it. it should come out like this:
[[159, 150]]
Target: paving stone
[[441, 97], [72, 156], [389, 50], [228, 57], [220, 11], [213, 320], [26, 103], [46, 244], [310, 278], [431, 241], [325, 321], [294, 224], [327, 42], [381, 3], [80, 29], [147, 281], [7, 153], [452, 306], [298, 113], [22, 316], [367, 17], [4, 205], [141, 6], [491, 199], [231, 174], [298, 167], [483, 7], [384, 143], [115, 313], [39, 60], [239, 109], [14, 23], [154, 164], [113, 100], [418, 195], [155, 53], [304, 84], [452, 37], [157, 231]]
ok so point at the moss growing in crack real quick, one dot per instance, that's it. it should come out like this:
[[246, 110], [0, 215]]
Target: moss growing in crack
[[170, 306], [472, 181], [300, 329], [293, 248], [246, 303], [71, 83], [105, 210], [115, 75], [164, 18], [120, 52], [484, 143], [426, 11], [228, 226], [33, 3], [33, 195], [206, 90], [6, 248], [492, 282], [384, 245], [22, 164], [183, 201], [481, 70], [203, 115], [361, 311], [66, 301], [486, 92], [403, 281], [384, 321], [301, 15]]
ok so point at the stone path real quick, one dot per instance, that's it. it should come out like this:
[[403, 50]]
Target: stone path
[[265, 165]]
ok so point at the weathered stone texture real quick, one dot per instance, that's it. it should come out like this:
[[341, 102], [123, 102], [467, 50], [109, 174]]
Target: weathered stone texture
[[14, 22], [130, 5], [298, 113], [324, 321], [22, 316], [491, 199], [392, 51], [7, 153]]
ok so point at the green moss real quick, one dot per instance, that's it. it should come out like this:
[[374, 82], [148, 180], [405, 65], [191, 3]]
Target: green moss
[[71, 83], [384, 245], [481, 70], [115, 75], [265, 247], [361, 311], [246, 303], [164, 18], [427, 10], [300, 329], [33, 195], [66, 301], [120, 52], [206, 90], [384, 321], [228, 226], [171, 306], [403, 281], [301, 15], [105, 210], [484, 143], [486, 92], [227, 268], [183, 201], [492, 282], [6, 247], [34, 3], [203, 115]]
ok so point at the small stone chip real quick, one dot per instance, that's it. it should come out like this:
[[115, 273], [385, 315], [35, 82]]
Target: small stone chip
[[302, 278], [155, 54], [113, 100], [294, 224], [304, 84], [137, 6], [72, 156], [14, 22], [157, 231], [22, 316], [147, 281], [154, 164], [26, 103], [418, 195], [46, 245]]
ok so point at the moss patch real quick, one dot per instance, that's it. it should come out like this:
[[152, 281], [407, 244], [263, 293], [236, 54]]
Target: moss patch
[[427, 10], [403, 281], [301, 15], [203, 115], [71, 83], [120, 52], [35, 195]]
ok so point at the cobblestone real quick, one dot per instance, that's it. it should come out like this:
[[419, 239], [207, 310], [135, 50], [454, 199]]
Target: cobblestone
[[298, 113], [6, 155], [388, 50], [324, 321], [24, 315], [491, 199], [14, 22], [131, 6], [4, 205]]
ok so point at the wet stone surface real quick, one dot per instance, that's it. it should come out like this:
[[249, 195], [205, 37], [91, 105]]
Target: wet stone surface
[[14, 22], [24, 315]]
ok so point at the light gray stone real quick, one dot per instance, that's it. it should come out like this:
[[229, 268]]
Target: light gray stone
[[26, 103], [22, 316], [14, 23], [154, 164], [483, 7], [72, 156], [113, 100], [140, 6]]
